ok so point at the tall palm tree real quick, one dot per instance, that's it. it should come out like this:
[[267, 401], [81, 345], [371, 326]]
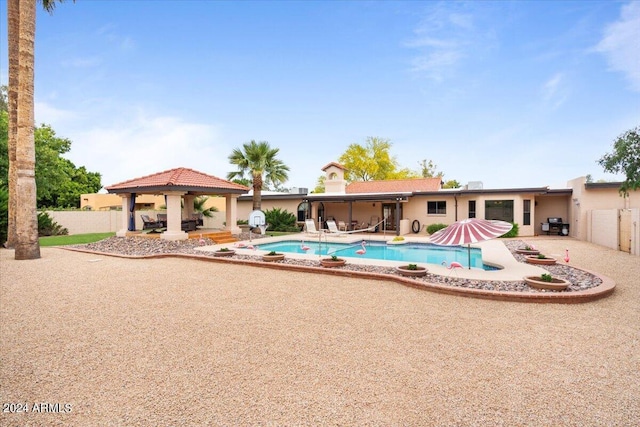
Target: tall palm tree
[[23, 215], [258, 160]]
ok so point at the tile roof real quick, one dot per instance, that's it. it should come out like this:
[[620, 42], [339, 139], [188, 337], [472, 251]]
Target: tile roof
[[179, 177], [394, 186], [338, 165]]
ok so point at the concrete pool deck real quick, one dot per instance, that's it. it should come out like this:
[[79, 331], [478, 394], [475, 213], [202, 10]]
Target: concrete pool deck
[[494, 252]]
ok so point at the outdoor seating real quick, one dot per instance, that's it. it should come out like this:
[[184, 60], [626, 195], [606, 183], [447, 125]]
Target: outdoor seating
[[162, 219], [310, 225], [189, 225], [198, 218], [148, 223], [342, 226]]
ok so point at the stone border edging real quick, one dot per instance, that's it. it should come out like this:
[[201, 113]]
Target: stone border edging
[[605, 289]]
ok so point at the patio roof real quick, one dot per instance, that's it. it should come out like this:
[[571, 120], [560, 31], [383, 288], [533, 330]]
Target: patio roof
[[178, 179]]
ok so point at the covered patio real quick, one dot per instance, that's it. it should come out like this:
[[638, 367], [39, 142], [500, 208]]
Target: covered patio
[[177, 185]]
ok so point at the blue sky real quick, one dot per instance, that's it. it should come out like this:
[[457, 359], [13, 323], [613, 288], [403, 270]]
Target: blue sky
[[514, 94]]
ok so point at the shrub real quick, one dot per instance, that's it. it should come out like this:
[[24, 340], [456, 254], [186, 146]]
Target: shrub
[[48, 227], [546, 278], [280, 220], [412, 267], [435, 227], [513, 232]]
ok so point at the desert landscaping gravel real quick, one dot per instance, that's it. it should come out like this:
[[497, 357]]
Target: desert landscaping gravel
[[92, 340]]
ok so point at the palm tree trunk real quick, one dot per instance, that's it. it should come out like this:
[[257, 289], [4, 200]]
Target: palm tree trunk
[[12, 98], [257, 191], [27, 245]]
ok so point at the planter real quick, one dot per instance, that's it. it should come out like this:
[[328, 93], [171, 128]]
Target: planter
[[527, 251], [554, 284], [404, 270], [329, 262], [540, 261], [224, 253], [270, 258]]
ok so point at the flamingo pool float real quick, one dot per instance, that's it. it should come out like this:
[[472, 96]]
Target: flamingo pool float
[[304, 247], [363, 250], [566, 255], [240, 245]]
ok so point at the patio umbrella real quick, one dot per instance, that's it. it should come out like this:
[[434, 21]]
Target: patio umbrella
[[469, 231]]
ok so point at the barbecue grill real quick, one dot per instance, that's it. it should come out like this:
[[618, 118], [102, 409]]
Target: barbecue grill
[[556, 225]]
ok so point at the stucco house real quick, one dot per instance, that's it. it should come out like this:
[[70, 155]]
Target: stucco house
[[593, 212]]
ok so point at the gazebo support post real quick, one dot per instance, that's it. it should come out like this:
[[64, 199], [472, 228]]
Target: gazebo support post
[[174, 217], [126, 197], [232, 213]]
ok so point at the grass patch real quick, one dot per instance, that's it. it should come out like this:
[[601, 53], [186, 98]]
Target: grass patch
[[74, 239]]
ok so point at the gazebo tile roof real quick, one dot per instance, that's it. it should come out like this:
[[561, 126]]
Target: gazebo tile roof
[[395, 186], [178, 177]]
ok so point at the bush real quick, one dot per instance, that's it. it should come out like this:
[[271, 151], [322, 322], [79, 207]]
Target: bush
[[48, 227], [513, 232], [435, 227], [280, 220]]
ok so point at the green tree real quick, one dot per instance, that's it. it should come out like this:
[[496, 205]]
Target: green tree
[[428, 169], [258, 162], [199, 206], [625, 158], [372, 161], [452, 183], [320, 184]]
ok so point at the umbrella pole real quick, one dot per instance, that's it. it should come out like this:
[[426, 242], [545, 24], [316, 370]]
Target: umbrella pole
[[469, 252]]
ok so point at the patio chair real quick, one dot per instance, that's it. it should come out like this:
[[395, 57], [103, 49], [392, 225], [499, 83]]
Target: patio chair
[[310, 225], [148, 223], [162, 219], [342, 226]]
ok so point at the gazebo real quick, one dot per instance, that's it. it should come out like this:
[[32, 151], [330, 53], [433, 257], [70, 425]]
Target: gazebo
[[175, 185]]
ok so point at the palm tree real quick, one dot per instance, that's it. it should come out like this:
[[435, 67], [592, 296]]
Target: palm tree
[[257, 159], [198, 206], [23, 215]]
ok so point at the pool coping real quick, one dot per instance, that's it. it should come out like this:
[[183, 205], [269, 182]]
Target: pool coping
[[605, 289]]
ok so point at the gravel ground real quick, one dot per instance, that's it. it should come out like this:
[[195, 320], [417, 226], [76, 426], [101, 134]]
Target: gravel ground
[[168, 342]]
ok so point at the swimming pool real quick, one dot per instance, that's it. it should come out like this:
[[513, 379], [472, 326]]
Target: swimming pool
[[410, 252]]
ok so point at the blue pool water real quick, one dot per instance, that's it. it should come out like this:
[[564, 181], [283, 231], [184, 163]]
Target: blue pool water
[[410, 252]]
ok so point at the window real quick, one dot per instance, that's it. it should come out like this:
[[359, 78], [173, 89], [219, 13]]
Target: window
[[304, 211], [472, 208], [437, 208], [499, 209], [526, 212]]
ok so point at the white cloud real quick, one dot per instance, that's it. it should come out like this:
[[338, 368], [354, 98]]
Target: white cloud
[[45, 113], [620, 44], [148, 144], [553, 92], [446, 35]]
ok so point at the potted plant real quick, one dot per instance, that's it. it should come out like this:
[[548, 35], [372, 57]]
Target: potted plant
[[546, 281], [224, 252], [540, 259], [398, 240], [273, 256], [334, 261], [411, 270], [527, 250]]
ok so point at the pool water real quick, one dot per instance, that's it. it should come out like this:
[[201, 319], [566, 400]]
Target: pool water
[[410, 252]]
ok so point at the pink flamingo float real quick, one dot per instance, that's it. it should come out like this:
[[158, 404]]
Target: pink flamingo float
[[202, 242], [240, 245], [304, 247], [566, 255], [363, 250]]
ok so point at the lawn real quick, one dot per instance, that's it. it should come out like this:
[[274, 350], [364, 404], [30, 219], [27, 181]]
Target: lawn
[[73, 239]]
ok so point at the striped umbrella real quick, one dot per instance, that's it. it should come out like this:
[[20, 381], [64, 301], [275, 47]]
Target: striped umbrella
[[469, 231]]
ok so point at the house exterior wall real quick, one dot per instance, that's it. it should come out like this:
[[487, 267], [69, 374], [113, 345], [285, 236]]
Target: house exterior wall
[[584, 200], [603, 227]]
